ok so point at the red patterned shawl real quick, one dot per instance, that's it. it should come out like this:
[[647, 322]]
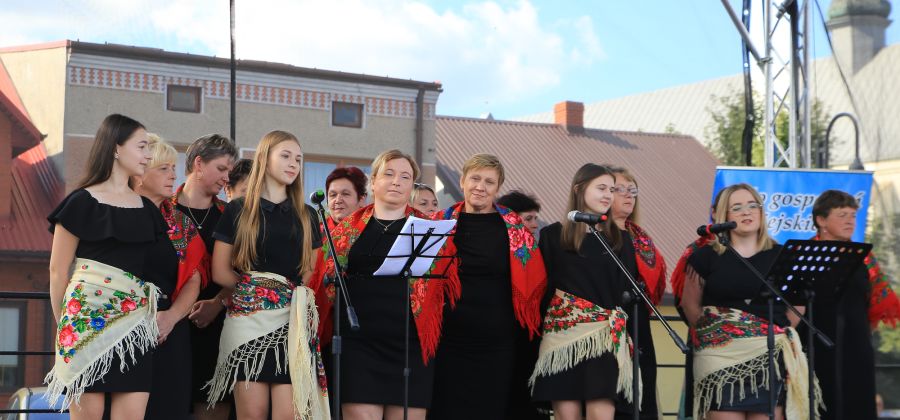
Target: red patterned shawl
[[188, 244], [650, 263], [529, 277], [426, 295]]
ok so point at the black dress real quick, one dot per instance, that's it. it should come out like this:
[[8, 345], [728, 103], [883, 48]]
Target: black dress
[[279, 249], [170, 397], [475, 362], [373, 356], [204, 341], [842, 314], [592, 275], [120, 237], [728, 283]]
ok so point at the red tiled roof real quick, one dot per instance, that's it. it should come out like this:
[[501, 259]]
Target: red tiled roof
[[675, 173], [36, 190]]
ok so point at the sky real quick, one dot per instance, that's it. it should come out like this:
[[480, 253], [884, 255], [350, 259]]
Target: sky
[[509, 58]]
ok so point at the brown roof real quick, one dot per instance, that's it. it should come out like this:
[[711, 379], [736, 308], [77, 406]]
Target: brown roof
[[36, 190], [160, 55], [675, 172]]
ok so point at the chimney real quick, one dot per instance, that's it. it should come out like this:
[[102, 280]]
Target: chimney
[[858, 30], [570, 115]]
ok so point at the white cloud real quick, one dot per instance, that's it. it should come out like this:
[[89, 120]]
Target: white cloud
[[484, 52]]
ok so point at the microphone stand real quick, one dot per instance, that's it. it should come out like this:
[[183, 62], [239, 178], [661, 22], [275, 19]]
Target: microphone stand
[[638, 290], [340, 288], [770, 294]]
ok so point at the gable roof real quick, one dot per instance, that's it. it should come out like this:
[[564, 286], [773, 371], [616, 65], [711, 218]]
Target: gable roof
[[675, 173], [26, 135], [36, 190]]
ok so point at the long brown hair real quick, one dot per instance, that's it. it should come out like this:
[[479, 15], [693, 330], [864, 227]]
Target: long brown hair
[[114, 131], [720, 215], [572, 232], [244, 254]]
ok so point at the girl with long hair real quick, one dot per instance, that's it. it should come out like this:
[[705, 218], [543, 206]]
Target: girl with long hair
[[264, 252], [106, 309], [584, 362]]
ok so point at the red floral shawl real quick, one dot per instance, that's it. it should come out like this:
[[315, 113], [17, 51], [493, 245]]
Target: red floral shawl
[[678, 273], [529, 277], [883, 303], [650, 263], [426, 295], [188, 244]]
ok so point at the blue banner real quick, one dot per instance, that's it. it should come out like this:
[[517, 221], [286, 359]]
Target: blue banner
[[789, 194]]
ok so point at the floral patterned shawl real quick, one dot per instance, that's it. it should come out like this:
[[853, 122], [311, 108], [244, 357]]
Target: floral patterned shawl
[[426, 295], [529, 277], [650, 263], [883, 303], [188, 244]]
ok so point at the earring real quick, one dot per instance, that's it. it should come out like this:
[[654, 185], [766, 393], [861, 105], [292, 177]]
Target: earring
[[116, 156]]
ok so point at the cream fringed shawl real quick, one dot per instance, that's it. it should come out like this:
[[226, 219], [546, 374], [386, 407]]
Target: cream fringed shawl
[[730, 349], [268, 313], [107, 312]]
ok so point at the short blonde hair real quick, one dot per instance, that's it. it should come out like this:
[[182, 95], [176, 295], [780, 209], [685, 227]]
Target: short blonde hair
[[484, 161], [161, 153], [382, 159], [629, 177]]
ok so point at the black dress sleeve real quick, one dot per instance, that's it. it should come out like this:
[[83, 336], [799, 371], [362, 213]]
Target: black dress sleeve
[[89, 220], [314, 225], [74, 212], [227, 226], [548, 243], [702, 261]]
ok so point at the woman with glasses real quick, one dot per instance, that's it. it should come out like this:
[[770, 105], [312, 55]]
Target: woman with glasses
[[724, 305], [651, 270]]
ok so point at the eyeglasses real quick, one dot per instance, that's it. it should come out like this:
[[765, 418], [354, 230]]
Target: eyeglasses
[[633, 191], [741, 207]]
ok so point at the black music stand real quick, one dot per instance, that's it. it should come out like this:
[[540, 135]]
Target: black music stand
[[420, 243], [800, 264]]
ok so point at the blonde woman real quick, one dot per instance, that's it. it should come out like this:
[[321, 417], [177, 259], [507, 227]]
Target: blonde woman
[[177, 274], [723, 304], [264, 252]]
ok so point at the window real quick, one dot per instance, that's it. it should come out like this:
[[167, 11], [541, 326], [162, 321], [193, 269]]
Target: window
[[346, 114], [183, 98], [314, 173], [11, 334]]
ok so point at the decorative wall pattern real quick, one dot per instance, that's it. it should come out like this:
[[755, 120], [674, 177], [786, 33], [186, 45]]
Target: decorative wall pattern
[[272, 95]]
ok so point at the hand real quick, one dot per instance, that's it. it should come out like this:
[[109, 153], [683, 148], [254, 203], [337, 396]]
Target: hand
[[166, 321], [204, 312]]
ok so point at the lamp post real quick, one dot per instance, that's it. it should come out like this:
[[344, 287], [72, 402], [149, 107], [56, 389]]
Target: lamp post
[[857, 163]]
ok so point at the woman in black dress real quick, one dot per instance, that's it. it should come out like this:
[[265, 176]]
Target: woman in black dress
[[584, 365], [178, 277], [502, 281], [107, 311], [723, 303], [264, 252], [208, 163], [372, 362], [850, 311]]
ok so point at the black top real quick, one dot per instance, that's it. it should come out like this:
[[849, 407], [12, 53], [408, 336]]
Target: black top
[[210, 218], [730, 284], [482, 245], [280, 238], [589, 274], [116, 236]]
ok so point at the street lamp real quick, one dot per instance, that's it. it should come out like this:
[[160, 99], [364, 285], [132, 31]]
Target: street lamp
[[857, 164]]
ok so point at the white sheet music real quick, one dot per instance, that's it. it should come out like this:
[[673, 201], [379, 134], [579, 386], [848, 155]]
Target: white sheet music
[[404, 245]]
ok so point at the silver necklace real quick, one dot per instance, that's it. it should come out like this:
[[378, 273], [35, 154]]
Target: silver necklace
[[385, 226], [200, 223]]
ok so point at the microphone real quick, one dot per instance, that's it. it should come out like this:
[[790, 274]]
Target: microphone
[[589, 218], [715, 228], [317, 197]]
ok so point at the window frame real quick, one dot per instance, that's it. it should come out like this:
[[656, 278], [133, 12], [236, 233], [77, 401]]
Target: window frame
[[19, 380], [361, 112], [184, 88]]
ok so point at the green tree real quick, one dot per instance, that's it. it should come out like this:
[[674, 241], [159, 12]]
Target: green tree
[[725, 132]]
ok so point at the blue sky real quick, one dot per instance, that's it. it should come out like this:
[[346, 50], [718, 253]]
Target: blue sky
[[510, 58]]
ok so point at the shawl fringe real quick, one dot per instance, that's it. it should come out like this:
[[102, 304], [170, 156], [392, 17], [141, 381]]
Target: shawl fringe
[[249, 358]]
